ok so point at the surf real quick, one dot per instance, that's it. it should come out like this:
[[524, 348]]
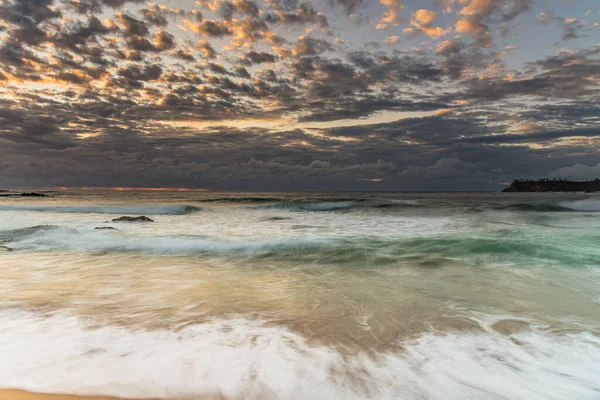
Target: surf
[[316, 249], [254, 358]]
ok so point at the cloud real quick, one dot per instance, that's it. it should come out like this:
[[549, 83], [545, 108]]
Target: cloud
[[209, 28], [163, 40], [257, 57], [309, 46], [422, 22], [577, 172], [132, 26], [476, 16], [134, 92], [206, 49], [391, 39], [473, 26], [392, 15], [349, 5], [448, 47], [444, 168]]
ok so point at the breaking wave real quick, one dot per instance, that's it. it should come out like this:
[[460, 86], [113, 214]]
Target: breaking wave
[[564, 206], [339, 205], [252, 359], [358, 251], [138, 210], [583, 205], [319, 206]]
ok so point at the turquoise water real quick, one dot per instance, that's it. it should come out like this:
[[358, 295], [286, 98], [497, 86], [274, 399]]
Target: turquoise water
[[302, 295]]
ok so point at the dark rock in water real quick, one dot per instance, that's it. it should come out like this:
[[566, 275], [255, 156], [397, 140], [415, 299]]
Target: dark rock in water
[[133, 219], [33, 194], [4, 249], [105, 228], [553, 185], [276, 219]]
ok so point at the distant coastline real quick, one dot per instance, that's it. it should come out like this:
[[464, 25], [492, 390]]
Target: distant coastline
[[553, 185]]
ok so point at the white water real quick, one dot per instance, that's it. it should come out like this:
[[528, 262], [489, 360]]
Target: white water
[[591, 204], [240, 358]]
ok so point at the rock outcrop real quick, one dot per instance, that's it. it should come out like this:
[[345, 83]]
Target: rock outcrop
[[133, 219], [553, 185], [33, 194], [7, 193]]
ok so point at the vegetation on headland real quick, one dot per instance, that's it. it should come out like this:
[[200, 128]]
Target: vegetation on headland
[[553, 185], [8, 193]]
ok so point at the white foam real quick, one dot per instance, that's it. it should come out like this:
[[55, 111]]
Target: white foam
[[240, 358], [68, 239], [592, 204], [318, 206], [405, 202]]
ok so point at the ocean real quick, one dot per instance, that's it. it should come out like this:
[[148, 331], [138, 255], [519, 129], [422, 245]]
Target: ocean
[[302, 295]]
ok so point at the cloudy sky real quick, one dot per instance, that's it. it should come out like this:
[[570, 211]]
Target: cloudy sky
[[298, 94]]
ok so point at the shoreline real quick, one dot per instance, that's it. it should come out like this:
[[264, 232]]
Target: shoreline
[[14, 394], [17, 394]]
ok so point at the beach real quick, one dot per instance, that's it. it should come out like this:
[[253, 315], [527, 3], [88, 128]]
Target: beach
[[300, 295], [22, 395]]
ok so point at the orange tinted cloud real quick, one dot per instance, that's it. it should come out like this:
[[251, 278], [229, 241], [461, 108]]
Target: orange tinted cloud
[[392, 15], [422, 22]]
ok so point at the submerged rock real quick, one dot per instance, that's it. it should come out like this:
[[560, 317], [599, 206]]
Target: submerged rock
[[105, 228], [33, 194], [133, 219]]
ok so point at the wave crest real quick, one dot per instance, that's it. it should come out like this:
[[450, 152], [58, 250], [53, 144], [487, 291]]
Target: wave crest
[[356, 251], [589, 205], [340, 205]]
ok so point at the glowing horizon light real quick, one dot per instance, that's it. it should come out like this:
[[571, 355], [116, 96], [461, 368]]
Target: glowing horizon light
[[127, 189]]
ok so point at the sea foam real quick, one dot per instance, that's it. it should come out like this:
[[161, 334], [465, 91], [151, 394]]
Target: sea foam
[[592, 204], [310, 206], [57, 238], [241, 358]]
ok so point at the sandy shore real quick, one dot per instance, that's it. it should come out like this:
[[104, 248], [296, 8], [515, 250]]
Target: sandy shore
[[9, 394], [22, 395]]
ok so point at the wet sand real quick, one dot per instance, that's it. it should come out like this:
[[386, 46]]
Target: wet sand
[[22, 395], [9, 394]]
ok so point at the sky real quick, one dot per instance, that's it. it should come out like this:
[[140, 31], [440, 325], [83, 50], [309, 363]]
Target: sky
[[390, 95]]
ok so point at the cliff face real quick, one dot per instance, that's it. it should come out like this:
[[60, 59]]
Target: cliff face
[[546, 185]]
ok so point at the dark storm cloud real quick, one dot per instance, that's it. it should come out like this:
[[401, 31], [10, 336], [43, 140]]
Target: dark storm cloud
[[257, 57], [127, 95], [566, 75], [134, 72], [401, 154], [132, 26]]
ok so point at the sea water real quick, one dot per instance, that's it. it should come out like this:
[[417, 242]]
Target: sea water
[[302, 295]]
